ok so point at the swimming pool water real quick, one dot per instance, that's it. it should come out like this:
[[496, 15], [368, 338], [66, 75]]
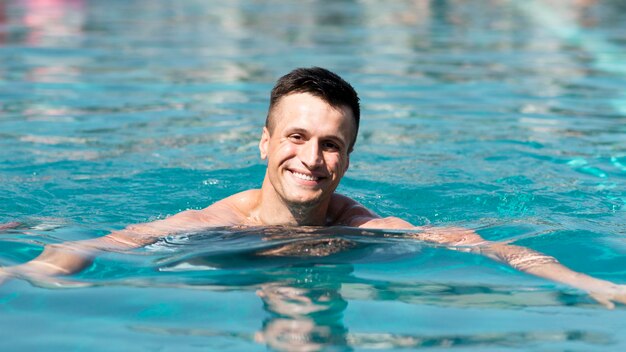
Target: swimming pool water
[[502, 116]]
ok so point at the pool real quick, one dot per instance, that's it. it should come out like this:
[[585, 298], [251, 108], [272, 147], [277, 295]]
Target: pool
[[505, 117]]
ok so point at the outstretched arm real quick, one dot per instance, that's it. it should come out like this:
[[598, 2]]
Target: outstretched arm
[[71, 257], [520, 258]]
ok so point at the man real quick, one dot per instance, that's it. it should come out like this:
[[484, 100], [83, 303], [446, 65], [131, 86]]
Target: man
[[310, 130]]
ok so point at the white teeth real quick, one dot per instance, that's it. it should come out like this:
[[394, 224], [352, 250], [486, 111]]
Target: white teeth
[[305, 177]]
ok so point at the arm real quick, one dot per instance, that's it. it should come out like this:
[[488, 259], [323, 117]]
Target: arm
[[520, 258], [71, 257]]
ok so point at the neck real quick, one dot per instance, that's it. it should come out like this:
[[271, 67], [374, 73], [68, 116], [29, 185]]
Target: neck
[[273, 210]]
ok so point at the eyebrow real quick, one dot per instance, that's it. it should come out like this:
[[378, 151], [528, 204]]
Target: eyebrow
[[301, 130]]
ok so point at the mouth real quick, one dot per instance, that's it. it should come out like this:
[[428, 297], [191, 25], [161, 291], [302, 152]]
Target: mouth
[[306, 178]]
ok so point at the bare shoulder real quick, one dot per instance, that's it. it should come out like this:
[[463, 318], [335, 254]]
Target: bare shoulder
[[343, 210], [243, 201], [232, 210], [348, 212]]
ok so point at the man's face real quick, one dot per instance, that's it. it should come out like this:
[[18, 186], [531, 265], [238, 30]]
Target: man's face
[[307, 151]]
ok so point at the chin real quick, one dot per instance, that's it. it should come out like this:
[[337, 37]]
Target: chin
[[307, 201]]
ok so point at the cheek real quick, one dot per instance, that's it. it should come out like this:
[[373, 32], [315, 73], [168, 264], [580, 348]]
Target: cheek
[[284, 151], [337, 162]]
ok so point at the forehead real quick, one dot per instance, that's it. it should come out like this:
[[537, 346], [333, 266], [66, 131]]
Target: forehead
[[306, 110]]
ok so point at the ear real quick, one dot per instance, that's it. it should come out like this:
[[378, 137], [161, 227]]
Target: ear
[[347, 164], [264, 143]]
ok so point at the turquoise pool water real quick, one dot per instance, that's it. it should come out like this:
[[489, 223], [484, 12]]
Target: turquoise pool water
[[502, 116]]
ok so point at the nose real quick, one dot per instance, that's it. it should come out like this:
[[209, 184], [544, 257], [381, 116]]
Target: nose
[[311, 154]]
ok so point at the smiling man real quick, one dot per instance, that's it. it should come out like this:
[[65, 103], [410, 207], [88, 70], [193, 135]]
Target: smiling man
[[310, 131], [307, 140]]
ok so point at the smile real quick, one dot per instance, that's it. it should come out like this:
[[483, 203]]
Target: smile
[[306, 177]]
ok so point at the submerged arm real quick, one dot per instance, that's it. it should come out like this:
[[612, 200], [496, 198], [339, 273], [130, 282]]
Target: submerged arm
[[71, 257], [545, 266], [520, 258]]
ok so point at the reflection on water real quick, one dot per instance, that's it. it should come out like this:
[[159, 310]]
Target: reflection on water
[[306, 305], [304, 314]]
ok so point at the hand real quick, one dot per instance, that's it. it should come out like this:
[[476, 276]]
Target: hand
[[609, 294]]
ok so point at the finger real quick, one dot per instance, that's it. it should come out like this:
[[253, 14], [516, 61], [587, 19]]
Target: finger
[[600, 298]]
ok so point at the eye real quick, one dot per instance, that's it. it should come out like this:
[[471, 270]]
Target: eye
[[332, 146], [296, 138]]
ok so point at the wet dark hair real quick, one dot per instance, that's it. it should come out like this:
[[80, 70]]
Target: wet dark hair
[[321, 83]]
